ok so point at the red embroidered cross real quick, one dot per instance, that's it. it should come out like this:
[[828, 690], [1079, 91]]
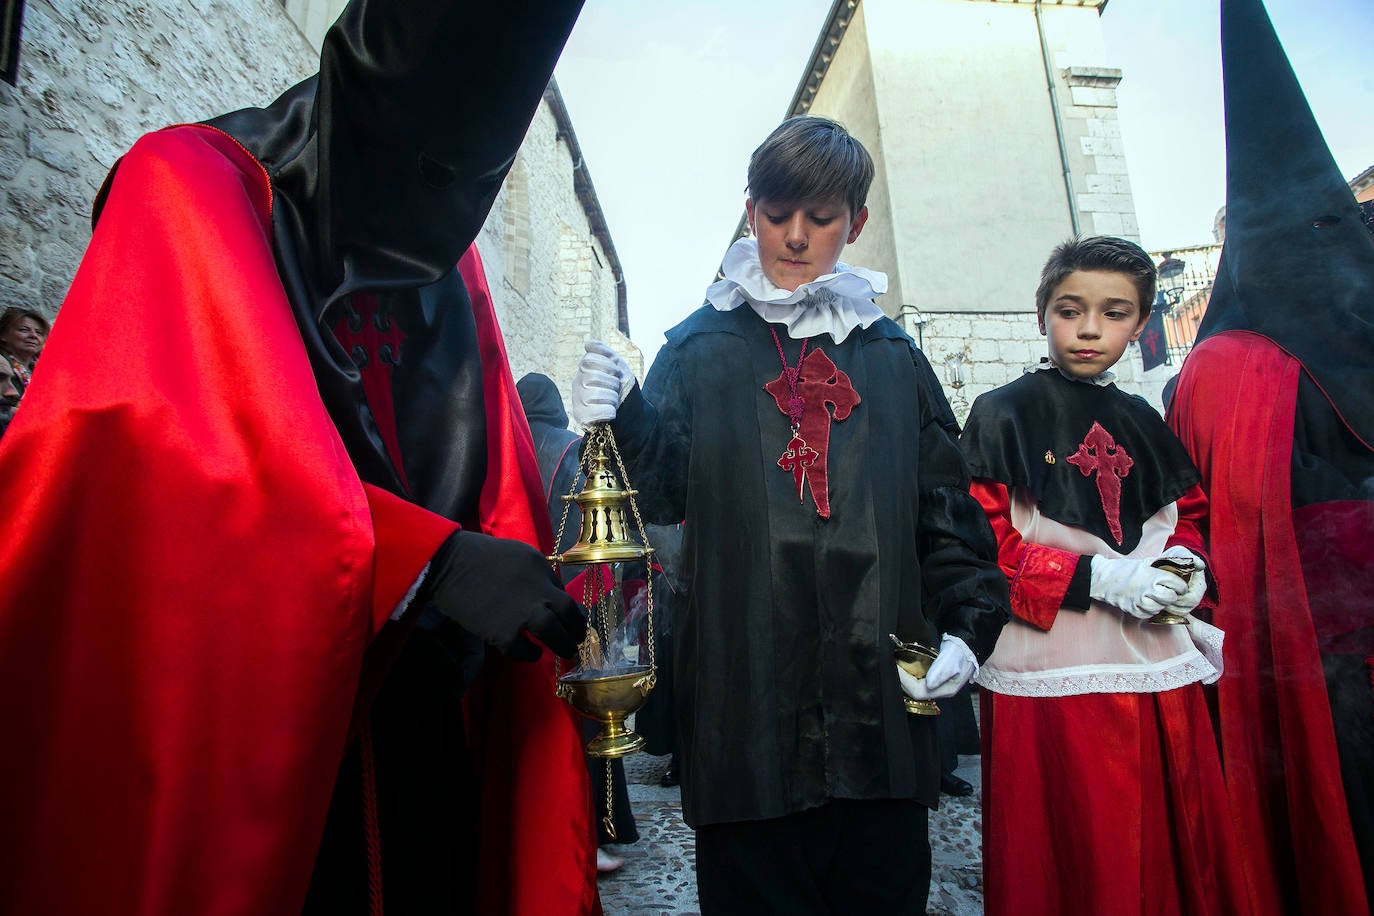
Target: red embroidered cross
[[1152, 341], [1099, 452], [373, 342], [819, 383]]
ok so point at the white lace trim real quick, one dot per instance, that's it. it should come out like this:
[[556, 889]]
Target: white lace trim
[[1190, 668], [1208, 640], [835, 303]]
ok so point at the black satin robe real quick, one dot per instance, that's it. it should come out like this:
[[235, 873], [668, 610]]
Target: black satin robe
[[786, 691]]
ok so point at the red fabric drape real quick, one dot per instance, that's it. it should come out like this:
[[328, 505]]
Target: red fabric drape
[[187, 575], [190, 578], [1234, 410]]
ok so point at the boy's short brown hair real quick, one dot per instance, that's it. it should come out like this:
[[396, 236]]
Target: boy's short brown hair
[[811, 158], [1098, 252]]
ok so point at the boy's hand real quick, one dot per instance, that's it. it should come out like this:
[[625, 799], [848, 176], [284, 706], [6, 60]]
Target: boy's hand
[[1134, 586], [501, 590], [954, 666], [601, 383], [1197, 583]]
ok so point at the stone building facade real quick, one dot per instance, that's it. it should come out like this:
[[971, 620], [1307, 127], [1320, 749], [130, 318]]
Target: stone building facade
[[993, 128], [94, 76]]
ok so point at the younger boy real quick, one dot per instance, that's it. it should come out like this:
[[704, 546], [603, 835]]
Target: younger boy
[[1102, 787], [798, 432]]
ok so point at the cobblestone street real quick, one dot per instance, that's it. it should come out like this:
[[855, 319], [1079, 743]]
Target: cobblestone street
[[659, 875]]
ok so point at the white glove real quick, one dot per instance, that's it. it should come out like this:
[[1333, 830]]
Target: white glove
[[954, 666], [600, 385], [1134, 586], [1187, 602]]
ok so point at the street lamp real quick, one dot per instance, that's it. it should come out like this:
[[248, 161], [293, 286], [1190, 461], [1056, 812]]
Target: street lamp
[[910, 317], [1171, 278], [954, 375]]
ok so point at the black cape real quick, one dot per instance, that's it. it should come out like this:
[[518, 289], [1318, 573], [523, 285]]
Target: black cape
[[786, 692], [1023, 434]]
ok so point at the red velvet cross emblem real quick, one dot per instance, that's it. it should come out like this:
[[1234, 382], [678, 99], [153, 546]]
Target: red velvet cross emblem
[[818, 383], [1151, 341], [373, 342], [1099, 452]]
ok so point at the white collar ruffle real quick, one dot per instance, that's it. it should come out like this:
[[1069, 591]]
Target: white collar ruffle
[[833, 304], [1105, 378]]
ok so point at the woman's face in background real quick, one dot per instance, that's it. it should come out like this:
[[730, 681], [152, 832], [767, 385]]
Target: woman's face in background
[[24, 339]]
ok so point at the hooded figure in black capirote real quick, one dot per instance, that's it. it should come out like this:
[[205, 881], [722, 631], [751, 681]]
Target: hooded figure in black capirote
[[1276, 406]]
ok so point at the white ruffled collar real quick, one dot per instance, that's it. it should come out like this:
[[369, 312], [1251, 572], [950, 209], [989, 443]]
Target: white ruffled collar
[[833, 304], [1107, 376]]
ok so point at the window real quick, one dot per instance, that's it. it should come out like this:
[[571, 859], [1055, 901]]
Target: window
[[11, 15]]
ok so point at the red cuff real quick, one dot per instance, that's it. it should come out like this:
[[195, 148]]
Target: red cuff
[[1040, 576], [1040, 584], [406, 537]]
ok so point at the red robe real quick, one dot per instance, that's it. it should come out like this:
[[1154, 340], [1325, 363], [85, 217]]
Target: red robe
[[193, 571], [1234, 410]]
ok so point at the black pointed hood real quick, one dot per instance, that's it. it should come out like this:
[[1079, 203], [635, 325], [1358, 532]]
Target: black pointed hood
[[1297, 265]]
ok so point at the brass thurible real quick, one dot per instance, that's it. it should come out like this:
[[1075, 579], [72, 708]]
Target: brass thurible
[[610, 680], [915, 659], [1183, 567]]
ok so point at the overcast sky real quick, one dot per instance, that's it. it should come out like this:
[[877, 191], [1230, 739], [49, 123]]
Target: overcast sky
[[668, 99]]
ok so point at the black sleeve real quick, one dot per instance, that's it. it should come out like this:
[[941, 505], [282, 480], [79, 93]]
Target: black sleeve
[[966, 592], [1077, 598]]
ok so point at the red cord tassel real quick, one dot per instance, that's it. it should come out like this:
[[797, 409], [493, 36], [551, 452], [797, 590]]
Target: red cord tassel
[[371, 823]]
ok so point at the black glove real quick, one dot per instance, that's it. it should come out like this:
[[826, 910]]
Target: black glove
[[496, 588]]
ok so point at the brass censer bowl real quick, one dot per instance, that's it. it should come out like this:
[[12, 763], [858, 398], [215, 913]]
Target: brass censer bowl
[[915, 659], [609, 699]]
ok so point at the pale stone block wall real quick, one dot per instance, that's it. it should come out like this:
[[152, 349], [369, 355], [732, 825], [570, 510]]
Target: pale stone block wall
[[314, 17], [968, 138], [846, 95], [551, 283], [951, 98], [93, 77]]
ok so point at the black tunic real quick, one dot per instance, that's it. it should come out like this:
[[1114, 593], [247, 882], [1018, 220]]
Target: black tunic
[[787, 695]]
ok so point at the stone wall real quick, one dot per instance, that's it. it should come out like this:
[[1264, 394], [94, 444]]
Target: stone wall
[[951, 97], [94, 76], [551, 281]]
